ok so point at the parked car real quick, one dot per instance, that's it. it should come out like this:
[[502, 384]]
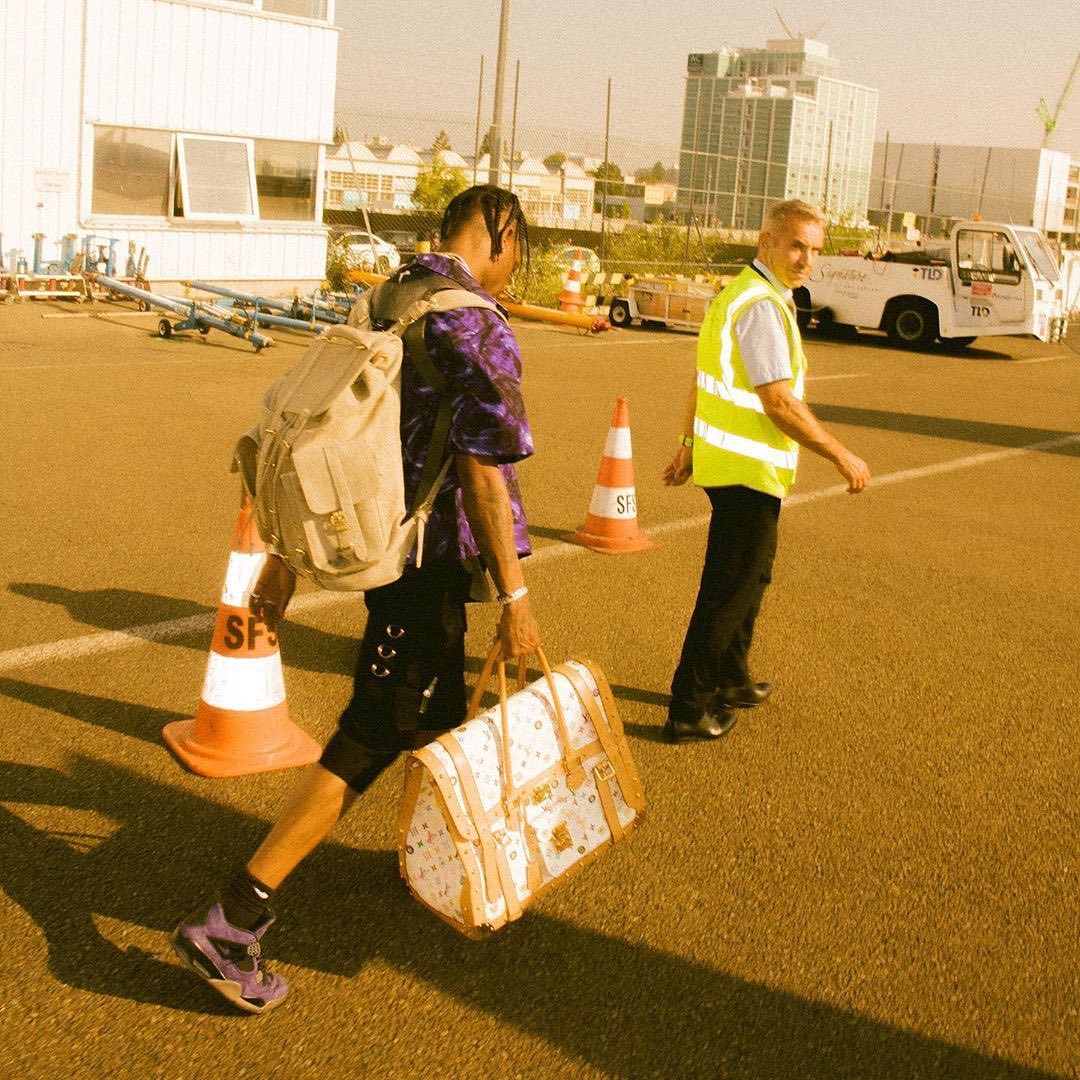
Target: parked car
[[366, 251], [590, 261]]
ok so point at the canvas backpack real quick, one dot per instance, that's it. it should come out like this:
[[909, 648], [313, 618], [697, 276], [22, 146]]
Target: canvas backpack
[[324, 466]]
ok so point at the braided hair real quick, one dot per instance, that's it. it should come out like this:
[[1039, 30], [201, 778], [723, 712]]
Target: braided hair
[[492, 203]]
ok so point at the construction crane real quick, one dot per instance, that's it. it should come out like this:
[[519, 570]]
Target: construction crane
[[800, 36], [1049, 119]]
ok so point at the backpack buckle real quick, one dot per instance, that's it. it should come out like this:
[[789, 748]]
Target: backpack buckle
[[337, 522]]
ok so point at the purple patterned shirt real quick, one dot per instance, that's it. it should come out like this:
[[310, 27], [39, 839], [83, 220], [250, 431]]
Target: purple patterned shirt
[[476, 353]]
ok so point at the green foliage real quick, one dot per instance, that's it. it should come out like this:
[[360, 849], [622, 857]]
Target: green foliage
[[442, 142], [437, 185], [543, 281], [337, 266], [652, 175], [555, 161], [611, 176], [844, 237]]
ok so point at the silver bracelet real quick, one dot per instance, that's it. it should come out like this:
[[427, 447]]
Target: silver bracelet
[[517, 594]]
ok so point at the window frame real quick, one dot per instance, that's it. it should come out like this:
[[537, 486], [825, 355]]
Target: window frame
[[182, 180], [992, 274]]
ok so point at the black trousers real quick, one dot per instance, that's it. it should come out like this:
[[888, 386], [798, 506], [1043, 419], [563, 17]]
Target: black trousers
[[409, 684], [738, 569]]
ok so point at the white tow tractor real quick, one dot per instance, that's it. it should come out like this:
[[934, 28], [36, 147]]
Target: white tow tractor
[[991, 280]]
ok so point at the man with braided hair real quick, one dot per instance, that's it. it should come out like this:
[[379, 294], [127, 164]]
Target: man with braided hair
[[410, 678]]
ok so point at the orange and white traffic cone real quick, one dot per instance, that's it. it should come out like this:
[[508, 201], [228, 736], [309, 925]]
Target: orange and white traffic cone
[[570, 299], [242, 724], [611, 523]]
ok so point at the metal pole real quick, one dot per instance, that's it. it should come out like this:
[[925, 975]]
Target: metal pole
[[935, 158], [884, 169], [986, 172], [495, 166], [476, 140], [513, 125], [828, 169], [607, 173], [693, 171], [895, 182]]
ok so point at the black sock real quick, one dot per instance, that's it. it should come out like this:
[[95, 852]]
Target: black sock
[[245, 900]]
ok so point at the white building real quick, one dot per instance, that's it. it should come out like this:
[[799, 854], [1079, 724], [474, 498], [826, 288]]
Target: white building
[[762, 125], [192, 128], [382, 177], [938, 183]]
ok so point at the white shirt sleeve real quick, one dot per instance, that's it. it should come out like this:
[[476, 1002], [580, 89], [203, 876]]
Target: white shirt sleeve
[[763, 343]]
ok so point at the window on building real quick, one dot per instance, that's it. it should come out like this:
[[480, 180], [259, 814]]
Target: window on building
[[216, 179], [285, 177], [131, 172], [301, 9]]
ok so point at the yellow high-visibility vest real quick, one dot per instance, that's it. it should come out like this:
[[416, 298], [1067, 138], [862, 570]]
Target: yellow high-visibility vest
[[734, 441]]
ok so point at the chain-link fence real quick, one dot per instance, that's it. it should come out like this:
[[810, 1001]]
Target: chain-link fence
[[390, 176]]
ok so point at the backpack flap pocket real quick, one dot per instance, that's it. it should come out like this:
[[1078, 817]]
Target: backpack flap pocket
[[345, 523]]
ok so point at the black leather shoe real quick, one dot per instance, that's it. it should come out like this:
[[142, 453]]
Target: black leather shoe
[[710, 725], [745, 697]]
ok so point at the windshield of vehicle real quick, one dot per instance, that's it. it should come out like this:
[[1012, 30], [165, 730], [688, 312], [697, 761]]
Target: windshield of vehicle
[[1040, 253]]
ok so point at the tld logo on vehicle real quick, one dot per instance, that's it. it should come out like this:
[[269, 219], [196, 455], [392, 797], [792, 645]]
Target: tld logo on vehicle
[[927, 273]]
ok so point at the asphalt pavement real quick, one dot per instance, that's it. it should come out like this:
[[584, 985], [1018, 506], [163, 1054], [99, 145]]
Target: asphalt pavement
[[873, 875]]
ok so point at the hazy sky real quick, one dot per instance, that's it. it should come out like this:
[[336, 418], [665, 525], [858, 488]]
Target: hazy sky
[[948, 71]]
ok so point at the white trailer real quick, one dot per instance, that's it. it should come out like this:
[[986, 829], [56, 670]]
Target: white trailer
[[992, 279], [671, 302]]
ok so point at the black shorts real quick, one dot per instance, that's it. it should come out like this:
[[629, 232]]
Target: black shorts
[[409, 683]]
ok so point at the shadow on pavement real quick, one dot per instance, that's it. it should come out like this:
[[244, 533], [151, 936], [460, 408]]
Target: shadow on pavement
[[139, 613], [627, 1009], [943, 427], [127, 718], [841, 334]]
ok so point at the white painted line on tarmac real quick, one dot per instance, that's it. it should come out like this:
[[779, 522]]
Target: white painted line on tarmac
[[117, 640], [1038, 359]]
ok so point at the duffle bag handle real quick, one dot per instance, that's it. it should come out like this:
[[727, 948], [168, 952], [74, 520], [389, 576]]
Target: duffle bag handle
[[496, 664]]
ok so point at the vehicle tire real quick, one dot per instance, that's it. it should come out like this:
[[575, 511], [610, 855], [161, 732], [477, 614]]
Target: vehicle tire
[[164, 328], [619, 313], [912, 324], [204, 330]]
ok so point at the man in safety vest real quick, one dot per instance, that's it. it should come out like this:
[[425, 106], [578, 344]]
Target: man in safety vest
[[744, 422]]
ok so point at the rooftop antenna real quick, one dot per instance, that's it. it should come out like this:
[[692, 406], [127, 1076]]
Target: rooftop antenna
[[1049, 119]]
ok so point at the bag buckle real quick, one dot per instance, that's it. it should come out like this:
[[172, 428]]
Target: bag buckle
[[337, 522], [605, 771]]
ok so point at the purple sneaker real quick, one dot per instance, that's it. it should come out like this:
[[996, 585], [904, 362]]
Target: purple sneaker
[[227, 957]]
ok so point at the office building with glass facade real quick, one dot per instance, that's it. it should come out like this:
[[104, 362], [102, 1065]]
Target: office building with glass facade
[[762, 125]]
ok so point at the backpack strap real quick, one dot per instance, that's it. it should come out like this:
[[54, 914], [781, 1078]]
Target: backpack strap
[[411, 328], [411, 298]]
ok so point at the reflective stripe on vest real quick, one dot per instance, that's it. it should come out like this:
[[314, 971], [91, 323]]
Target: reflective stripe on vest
[[737, 442]]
